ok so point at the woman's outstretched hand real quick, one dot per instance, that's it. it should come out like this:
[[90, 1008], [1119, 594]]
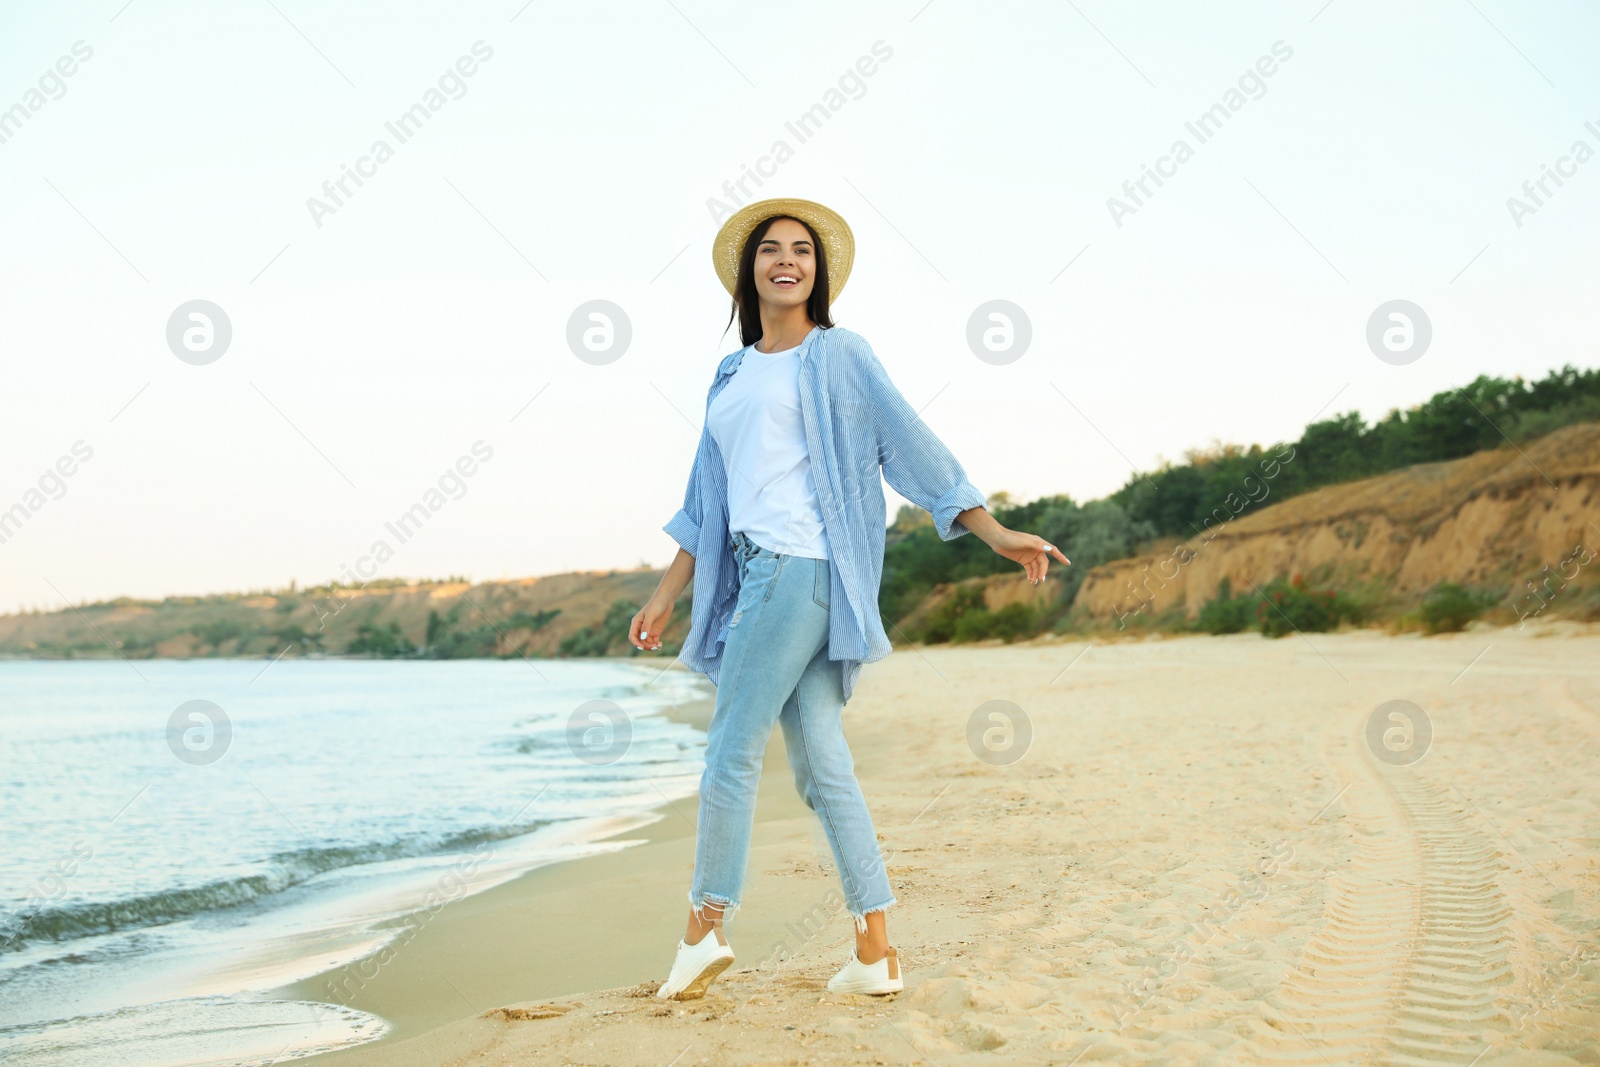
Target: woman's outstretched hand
[[644, 631], [1030, 550]]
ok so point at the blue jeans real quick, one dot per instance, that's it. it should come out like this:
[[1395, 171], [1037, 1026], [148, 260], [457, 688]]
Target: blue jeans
[[775, 666]]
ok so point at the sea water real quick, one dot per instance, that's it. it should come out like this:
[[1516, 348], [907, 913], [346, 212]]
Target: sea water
[[180, 837]]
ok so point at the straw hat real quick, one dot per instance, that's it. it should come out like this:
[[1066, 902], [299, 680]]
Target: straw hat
[[838, 243]]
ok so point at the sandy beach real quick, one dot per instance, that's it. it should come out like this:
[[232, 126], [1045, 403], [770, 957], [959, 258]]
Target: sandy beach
[[1209, 850]]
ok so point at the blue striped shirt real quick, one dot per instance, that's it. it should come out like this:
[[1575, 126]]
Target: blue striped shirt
[[856, 422]]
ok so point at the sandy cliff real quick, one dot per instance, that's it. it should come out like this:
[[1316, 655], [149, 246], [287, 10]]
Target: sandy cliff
[[1495, 518]]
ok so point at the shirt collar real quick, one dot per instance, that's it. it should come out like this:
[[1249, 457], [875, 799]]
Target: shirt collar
[[733, 361]]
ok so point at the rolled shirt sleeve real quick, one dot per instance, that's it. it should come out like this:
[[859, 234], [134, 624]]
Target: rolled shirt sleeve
[[685, 531], [915, 462]]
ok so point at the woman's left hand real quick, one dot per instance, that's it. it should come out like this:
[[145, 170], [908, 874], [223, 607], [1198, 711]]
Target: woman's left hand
[[1030, 550]]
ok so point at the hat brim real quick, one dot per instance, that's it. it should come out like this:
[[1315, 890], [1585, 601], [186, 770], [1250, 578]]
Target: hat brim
[[838, 242]]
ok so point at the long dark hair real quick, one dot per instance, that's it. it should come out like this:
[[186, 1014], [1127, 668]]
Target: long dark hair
[[747, 305]]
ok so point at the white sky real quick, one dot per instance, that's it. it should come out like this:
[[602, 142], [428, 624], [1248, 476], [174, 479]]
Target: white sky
[[432, 307]]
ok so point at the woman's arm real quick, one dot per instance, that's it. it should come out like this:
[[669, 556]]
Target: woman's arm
[[921, 469], [680, 572]]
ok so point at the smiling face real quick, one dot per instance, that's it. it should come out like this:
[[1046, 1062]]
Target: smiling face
[[785, 264]]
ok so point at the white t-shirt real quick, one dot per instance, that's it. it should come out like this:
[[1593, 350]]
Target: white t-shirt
[[756, 422]]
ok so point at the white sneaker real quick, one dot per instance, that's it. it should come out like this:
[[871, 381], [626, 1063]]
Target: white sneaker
[[858, 977], [696, 967]]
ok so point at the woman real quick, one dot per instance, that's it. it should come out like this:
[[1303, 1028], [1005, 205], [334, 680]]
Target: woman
[[782, 533]]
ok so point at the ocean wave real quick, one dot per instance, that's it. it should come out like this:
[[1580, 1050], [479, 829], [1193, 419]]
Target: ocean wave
[[280, 872]]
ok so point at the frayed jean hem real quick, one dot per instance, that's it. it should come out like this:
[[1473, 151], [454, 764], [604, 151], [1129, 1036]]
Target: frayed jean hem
[[724, 907], [861, 916]]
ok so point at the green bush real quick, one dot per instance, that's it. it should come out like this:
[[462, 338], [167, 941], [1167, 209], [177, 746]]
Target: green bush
[[1013, 622], [445, 638], [1288, 607], [295, 634], [383, 642], [600, 638], [973, 626], [477, 643], [217, 631], [1226, 613], [1009, 623], [943, 621], [533, 621], [1450, 606]]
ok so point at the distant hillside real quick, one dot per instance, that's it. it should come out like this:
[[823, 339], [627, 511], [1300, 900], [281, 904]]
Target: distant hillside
[[561, 614]]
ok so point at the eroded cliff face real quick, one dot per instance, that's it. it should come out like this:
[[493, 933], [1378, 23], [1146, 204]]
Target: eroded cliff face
[[1502, 516]]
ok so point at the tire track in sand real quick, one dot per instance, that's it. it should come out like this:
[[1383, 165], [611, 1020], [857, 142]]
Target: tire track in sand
[[1412, 959]]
